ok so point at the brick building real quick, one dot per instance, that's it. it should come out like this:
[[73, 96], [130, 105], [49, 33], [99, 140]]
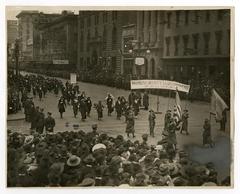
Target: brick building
[[58, 41], [99, 39], [28, 32], [196, 43]]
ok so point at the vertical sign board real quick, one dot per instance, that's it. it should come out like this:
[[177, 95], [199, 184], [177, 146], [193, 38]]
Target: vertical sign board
[[73, 78]]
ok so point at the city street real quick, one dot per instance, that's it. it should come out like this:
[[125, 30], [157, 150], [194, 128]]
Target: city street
[[198, 111]]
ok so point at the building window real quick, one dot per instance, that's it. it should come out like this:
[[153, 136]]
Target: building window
[[88, 62], [196, 21], [82, 23], [113, 64], [96, 32], [127, 43], [149, 18], [143, 18], [206, 37], [89, 21], [88, 40], [176, 43], [169, 19], [185, 44], [177, 18], [186, 17], [114, 38], [167, 40], [114, 15], [104, 38], [220, 15], [195, 43], [96, 19], [207, 17], [81, 62], [105, 15], [156, 17], [218, 35], [81, 42]]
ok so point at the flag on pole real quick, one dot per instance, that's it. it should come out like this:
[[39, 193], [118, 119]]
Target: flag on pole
[[178, 108], [217, 105]]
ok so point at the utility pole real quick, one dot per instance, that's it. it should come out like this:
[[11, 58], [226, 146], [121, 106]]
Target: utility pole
[[16, 53]]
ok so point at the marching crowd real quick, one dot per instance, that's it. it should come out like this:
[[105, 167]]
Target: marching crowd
[[77, 158]]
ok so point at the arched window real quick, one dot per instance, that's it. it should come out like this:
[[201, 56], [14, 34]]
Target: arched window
[[114, 37], [146, 68]]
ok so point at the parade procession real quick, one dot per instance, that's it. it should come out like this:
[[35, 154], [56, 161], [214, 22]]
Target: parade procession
[[100, 124]]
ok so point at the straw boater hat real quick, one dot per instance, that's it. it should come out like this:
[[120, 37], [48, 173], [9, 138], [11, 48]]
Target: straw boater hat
[[28, 139], [73, 161], [98, 146]]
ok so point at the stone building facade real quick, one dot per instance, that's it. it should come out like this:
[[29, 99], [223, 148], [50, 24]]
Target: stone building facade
[[29, 23], [99, 39], [196, 43], [149, 43], [12, 31], [25, 34], [58, 41]]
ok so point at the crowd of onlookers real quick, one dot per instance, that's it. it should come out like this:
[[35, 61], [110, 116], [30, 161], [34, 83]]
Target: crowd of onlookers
[[79, 158]]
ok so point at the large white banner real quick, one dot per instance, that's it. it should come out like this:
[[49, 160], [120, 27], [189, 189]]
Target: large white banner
[[73, 78], [159, 84]]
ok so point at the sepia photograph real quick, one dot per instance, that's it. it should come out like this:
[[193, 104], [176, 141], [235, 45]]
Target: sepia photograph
[[119, 97]]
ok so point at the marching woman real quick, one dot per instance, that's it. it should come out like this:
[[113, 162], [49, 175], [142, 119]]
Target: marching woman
[[130, 123], [207, 137], [75, 107], [61, 106], [99, 107]]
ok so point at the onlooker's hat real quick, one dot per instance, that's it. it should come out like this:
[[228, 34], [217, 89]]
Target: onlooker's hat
[[145, 136], [94, 126], [28, 139], [73, 161], [57, 168], [98, 146], [87, 182]]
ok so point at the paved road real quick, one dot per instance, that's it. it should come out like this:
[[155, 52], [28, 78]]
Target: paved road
[[198, 111]]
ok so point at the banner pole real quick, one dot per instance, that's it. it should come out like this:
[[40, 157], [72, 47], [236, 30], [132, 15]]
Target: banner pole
[[158, 103], [169, 94], [186, 101]]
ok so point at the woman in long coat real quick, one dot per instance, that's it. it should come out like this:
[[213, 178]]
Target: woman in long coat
[[145, 100], [61, 106], [207, 138], [130, 124], [151, 119]]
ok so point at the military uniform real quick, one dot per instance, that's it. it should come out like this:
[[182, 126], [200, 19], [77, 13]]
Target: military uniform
[[49, 123]]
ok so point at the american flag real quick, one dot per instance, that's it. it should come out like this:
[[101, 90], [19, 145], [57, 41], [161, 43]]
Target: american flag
[[178, 106]]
